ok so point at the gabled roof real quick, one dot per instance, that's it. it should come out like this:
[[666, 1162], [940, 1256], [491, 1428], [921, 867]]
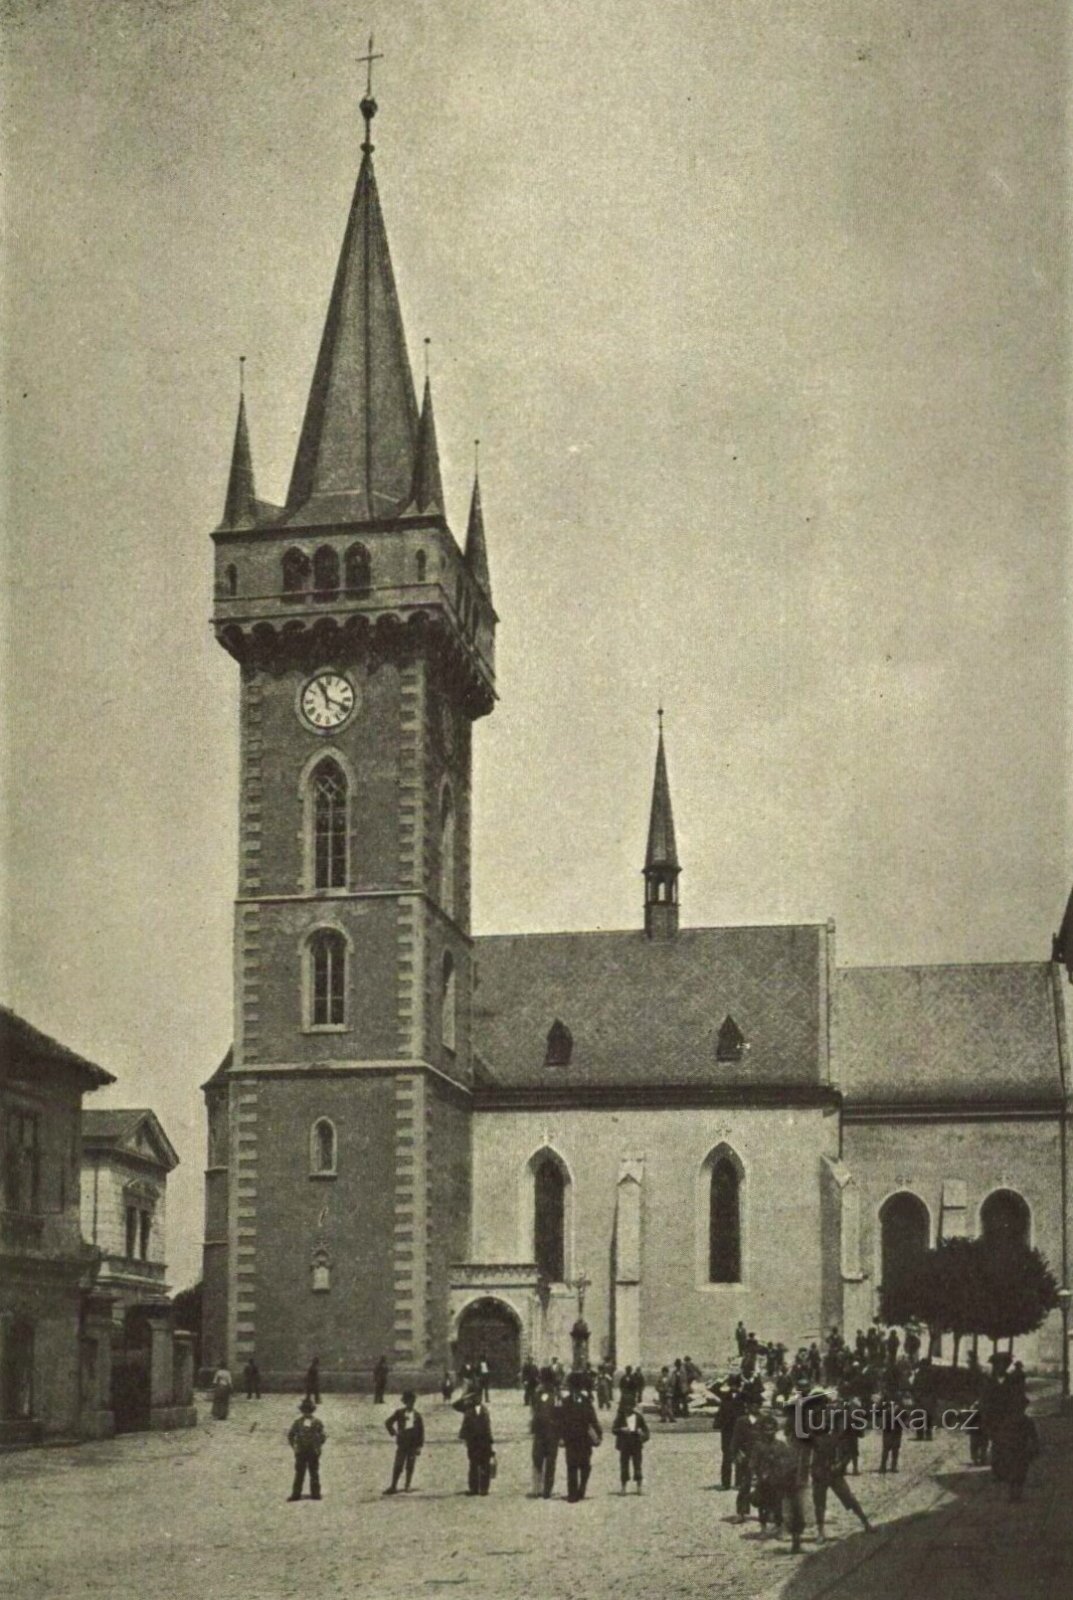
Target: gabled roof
[[648, 1012], [359, 436], [662, 849], [131, 1130], [924, 1036], [22, 1044]]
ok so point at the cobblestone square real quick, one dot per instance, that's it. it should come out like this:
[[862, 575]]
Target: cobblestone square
[[203, 1514]]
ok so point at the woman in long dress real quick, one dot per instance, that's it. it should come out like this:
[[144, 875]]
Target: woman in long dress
[[221, 1393]]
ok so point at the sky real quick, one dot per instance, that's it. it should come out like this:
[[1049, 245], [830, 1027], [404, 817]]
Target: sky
[[760, 311]]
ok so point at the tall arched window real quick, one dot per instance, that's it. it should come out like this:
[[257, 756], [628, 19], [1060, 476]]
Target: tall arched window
[[1005, 1219], [327, 979], [447, 852], [325, 573], [295, 572], [549, 1219], [322, 1148], [358, 570], [724, 1221], [447, 1006], [329, 797], [903, 1233], [560, 1045]]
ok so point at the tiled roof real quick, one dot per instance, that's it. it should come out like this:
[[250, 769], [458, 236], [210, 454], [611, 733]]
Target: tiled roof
[[927, 1035], [648, 1012], [20, 1041]]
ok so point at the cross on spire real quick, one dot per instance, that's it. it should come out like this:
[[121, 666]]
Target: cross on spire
[[367, 61]]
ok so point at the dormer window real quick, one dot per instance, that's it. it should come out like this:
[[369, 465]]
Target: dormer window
[[731, 1041], [560, 1045]]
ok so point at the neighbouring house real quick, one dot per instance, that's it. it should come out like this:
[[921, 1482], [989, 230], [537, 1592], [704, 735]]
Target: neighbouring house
[[126, 1158]]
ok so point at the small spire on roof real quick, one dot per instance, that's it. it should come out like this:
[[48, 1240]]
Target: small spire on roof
[[661, 869], [476, 552], [427, 490], [240, 501]]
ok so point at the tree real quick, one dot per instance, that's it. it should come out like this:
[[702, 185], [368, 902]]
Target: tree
[[973, 1286]]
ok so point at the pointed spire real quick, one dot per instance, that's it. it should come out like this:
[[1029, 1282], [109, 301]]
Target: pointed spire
[[358, 442], [1062, 943], [240, 504], [661, 868], [427, 491], [476, 551]]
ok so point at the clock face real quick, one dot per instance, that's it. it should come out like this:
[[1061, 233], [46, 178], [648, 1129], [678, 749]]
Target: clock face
[[327, 701]]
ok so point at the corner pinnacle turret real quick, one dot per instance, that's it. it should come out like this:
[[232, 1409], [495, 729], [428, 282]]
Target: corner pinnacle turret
[[661, 867], [476, 551], [240, 502]]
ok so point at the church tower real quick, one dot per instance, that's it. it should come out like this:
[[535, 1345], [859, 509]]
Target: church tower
[[338, 1179]]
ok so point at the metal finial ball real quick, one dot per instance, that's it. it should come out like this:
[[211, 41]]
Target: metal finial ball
[[368, 108]]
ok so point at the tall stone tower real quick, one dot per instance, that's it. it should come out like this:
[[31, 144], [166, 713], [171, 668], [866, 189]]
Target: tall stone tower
[[337, 1190]]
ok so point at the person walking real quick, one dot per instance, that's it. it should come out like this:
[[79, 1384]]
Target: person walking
[[406, 1426], [742, 1441], [663, 1395], [306, 1438], [545, 1424], [1014, 1446], [221, 1393], [380, 1375], [925, 1392], [251, 1377], [313, 1381], [893, 1428], [631, 1435], [581, 1433], [790, 1463], [767, 1496], [740, 1338], [830, 1458], [476, 1434]]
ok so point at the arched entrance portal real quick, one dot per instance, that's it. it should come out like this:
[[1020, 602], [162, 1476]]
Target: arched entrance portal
[[904, 1232], [491, 1330]]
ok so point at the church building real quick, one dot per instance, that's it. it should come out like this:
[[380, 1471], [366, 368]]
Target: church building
[[426, 1144]]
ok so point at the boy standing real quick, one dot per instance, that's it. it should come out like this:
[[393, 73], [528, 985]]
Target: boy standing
[[306, 1438], [631, 1436], [407, 1429]]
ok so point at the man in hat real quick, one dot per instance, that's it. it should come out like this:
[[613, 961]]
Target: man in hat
[[406, 1426], [545, 1426], [742, 1442], [476, 1434], [581, 1433], [306, 1438], [730, 1409]]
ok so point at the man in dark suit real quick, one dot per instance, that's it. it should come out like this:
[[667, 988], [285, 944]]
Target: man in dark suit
[[581, 1432], [406, 1426], [476, 1434], [545, 1424]]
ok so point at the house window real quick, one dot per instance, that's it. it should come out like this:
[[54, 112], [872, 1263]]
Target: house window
[[560, 1045], [132, 1233], [1005, 1219], [724, 1222], [731, 1041], [295, 572], [322, 1149], [903, 1228], [329, 826], [22, 1160], [549, 1219], [145, 1222], [325, 573], [447, 852], [327, 960], [358, 570], [447, 1009]]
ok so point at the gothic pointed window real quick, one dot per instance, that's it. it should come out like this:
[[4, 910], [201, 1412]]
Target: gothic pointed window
[[327, 987], [447, 852], [560, 1045], [447, 1003], [358, 570], [549, 1219], [322, 1149], [295, 572], [724, 1221], [325, 573], [329, 794], [731, 1041]]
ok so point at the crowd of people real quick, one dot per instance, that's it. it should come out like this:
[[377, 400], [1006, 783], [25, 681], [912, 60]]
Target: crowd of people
[[788, 1427]]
